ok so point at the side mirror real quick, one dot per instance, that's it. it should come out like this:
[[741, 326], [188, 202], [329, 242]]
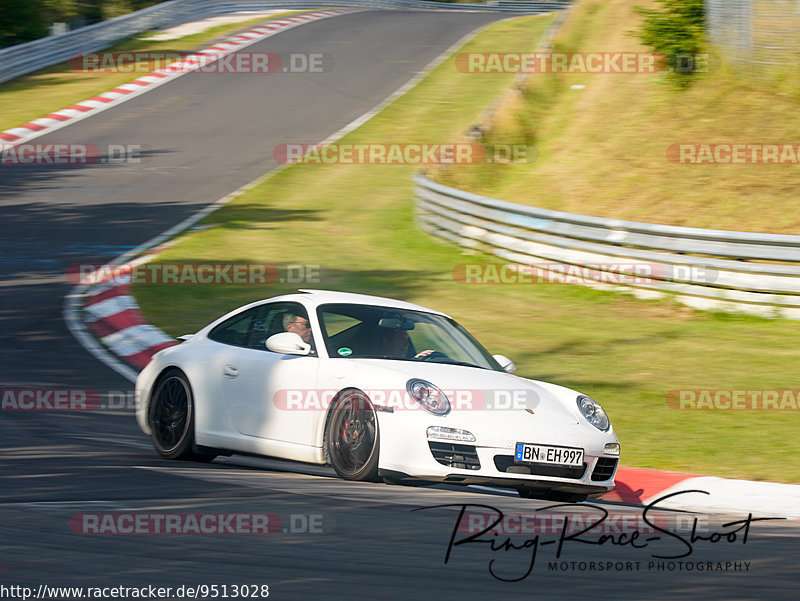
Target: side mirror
[[506, 363], [288, 343]]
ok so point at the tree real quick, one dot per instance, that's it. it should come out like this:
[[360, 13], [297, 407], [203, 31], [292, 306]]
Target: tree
[[20, 21], [26, 20]]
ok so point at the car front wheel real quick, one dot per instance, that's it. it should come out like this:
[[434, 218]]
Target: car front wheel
[[353, 438], [170, 416]]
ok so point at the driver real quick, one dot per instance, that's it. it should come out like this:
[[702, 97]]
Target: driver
[[297, 324], [396, 344]]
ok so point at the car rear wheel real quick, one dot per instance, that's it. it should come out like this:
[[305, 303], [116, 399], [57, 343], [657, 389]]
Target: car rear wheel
[[170, 417], [353, 440]]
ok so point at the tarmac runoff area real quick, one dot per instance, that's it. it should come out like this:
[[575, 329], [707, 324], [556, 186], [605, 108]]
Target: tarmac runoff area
[[183, 29]]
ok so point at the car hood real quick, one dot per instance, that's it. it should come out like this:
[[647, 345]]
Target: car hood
[[485, 394]]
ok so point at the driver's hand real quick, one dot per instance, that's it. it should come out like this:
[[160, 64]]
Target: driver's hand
[[422, 354]]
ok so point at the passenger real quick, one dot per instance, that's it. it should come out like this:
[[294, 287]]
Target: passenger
[[395, 344]]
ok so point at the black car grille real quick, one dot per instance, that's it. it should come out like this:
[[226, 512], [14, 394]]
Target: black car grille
[[604, 469], [461, 456], [504, 462]]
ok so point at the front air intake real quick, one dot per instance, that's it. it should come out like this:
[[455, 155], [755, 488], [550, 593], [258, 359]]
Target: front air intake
[[460, 456], [604, 469]]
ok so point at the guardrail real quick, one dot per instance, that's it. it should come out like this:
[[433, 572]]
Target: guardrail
[[31, 56], [705, 269]]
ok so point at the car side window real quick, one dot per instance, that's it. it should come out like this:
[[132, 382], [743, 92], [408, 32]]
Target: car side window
[[236, 330], [272, 320], [252, 328]]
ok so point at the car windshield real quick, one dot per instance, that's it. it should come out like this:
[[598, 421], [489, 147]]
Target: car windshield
[[372, 332]]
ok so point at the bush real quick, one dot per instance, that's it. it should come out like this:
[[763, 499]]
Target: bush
[[678, 33]]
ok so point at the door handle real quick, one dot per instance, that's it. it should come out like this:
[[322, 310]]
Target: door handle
[[231, 371]]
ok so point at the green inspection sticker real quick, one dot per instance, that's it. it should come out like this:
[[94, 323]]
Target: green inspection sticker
[[345, 352]]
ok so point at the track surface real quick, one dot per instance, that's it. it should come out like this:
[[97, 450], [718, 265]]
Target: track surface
[[206, 135]]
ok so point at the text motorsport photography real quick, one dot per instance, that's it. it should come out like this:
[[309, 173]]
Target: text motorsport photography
[[651, 541]]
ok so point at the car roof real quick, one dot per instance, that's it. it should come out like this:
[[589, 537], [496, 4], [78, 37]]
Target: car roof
[[315, 298]]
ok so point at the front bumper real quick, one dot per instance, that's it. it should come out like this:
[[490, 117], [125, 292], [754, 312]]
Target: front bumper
[[408, 454], [490, 470]]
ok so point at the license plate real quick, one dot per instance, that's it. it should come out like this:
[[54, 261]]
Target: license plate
[[553, 455]]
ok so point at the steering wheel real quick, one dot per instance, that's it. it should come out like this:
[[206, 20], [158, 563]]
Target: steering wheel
[[435, 355]]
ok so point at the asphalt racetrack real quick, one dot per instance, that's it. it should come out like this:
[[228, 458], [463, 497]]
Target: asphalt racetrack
[[203, 136]]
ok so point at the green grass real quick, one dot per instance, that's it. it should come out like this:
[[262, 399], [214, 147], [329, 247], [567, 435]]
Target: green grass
[[603, 149], [356, 222], [54, 88]]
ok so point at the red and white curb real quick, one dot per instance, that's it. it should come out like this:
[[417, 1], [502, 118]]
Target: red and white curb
[[636, 486], [193, 62], [112, 314]]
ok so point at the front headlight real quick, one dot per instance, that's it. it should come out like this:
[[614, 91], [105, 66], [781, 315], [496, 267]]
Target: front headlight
[[593, 412], [426, 394]]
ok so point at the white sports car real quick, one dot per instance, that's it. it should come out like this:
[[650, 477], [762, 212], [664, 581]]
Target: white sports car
[[377, 388]]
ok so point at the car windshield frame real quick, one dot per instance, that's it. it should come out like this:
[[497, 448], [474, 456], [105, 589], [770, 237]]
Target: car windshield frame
[[359, 340]]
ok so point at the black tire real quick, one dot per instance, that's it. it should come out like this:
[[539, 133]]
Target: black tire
[[551, 495], [352, 437], [170, 416]]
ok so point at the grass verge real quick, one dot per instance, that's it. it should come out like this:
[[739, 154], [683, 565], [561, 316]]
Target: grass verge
[[356, 221], [602, 149]]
